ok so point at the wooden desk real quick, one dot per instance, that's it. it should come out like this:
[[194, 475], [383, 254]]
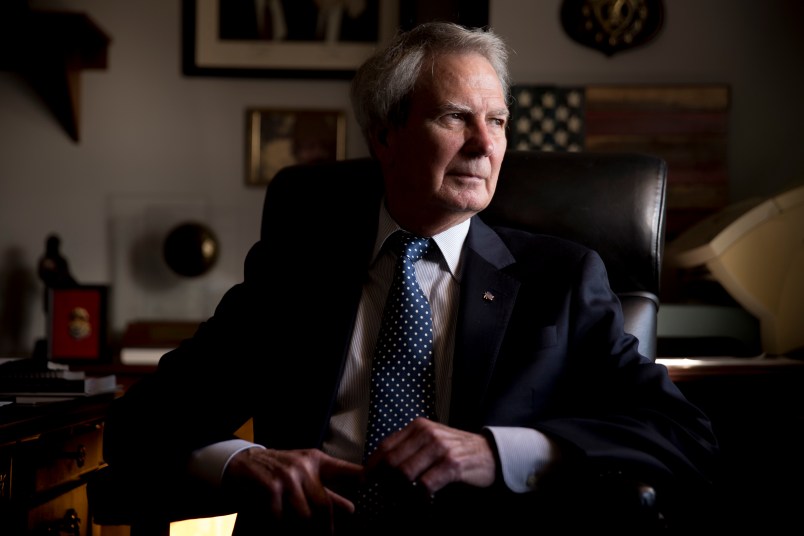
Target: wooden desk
[[47, 452], [685, 369], [757, 410]]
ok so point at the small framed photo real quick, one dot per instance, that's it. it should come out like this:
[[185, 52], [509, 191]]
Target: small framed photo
[[77, 323], [278, 138]]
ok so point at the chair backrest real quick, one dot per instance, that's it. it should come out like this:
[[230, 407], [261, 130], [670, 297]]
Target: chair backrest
[[613, 203]]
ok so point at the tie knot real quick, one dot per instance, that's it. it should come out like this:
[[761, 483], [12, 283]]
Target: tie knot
[[404, 244]]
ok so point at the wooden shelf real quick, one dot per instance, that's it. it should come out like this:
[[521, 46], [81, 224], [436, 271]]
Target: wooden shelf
[[50, 49]]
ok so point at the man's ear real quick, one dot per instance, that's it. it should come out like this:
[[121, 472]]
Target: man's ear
[[382, 136], [379, 143]]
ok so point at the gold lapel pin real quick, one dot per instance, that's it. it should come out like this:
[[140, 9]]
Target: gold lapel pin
[[488, 296]]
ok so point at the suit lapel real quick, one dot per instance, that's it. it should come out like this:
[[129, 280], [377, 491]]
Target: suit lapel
[[487, 298], [348, 205], [353, 256]]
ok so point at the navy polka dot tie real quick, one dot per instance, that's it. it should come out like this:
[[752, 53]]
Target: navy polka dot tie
[[402, 372]]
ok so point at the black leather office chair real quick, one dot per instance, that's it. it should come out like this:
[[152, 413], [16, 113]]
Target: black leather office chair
[[613, 203]]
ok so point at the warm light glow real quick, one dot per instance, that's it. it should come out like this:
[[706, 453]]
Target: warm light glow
[[208, 526], [681, 362], [687, 363]]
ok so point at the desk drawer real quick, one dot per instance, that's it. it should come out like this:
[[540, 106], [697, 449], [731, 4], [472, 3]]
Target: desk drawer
[[56, 458], [66, 514]]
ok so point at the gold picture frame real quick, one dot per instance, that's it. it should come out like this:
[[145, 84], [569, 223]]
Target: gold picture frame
[[276, 138]]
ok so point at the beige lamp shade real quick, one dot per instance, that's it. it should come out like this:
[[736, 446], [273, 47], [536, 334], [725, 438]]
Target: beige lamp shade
[[755, 250]]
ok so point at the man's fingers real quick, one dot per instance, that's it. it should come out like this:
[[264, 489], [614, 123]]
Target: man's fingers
[[293, 484], [340, 503], [336, 469], [396, 450], [435, 455]]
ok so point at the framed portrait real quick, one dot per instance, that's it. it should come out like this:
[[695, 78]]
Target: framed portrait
[[276, 138], [283, 38], [77, 323]]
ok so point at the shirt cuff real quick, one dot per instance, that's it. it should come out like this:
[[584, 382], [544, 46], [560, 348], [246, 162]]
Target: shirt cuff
[[208, 463], [525, 455]]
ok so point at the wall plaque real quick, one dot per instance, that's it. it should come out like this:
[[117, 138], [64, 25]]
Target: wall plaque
[[612, 26]]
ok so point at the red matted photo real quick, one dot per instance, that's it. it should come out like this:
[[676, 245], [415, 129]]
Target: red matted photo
[[77, 323]]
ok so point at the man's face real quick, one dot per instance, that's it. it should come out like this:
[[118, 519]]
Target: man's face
[[441, 167]]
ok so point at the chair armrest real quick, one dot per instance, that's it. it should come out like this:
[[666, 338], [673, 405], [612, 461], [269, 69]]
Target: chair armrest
[[601, 503]]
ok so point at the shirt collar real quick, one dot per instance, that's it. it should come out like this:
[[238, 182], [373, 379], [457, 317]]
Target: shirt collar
[[449, 242]]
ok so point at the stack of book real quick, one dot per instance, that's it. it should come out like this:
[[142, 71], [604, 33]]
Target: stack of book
[[30, 381]]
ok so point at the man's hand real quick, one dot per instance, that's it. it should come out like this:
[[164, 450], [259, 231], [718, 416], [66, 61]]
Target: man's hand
[[298, 487], [433, 455]]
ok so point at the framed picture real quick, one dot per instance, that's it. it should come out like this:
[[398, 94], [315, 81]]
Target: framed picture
[[473, 13], [277, 138], [77, 323], [283, 38]]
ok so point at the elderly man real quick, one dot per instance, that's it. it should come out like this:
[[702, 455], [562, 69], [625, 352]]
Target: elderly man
[[406, 366]]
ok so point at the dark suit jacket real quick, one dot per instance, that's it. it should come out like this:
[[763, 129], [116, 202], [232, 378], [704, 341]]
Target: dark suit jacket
[[549, 352]]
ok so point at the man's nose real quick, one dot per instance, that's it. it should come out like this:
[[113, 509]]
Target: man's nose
[[479, 140]]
